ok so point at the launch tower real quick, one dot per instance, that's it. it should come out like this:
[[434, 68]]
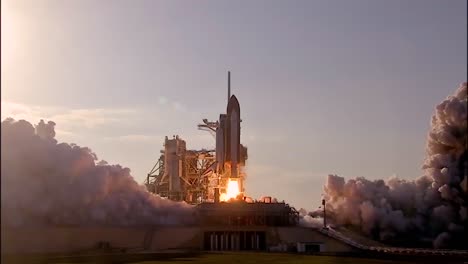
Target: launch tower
[[198, 176]]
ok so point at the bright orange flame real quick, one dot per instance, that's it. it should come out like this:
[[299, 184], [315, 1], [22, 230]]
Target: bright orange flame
[[232, 191]]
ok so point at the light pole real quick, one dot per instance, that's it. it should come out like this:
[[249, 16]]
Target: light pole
[[324, 215]]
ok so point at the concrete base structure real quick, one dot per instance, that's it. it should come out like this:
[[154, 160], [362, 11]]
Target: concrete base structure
[[80, 239], [71, 240], [234, 226]]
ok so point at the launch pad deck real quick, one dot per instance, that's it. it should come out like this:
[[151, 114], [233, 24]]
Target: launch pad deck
[[240, 213]]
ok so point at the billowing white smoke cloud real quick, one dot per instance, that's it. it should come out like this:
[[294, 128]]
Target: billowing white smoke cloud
[[432, 207], [48, 183], [309, 221]]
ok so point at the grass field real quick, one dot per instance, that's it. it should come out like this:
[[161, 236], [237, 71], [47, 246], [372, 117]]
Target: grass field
[[243, 258], [211, 258], [254, 258]]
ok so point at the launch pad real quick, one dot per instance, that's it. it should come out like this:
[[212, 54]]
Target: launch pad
[[197, 176], [240, 214], [238, 225], [214, 181]]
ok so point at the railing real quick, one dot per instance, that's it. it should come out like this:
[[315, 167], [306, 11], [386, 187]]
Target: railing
[[394, 250]]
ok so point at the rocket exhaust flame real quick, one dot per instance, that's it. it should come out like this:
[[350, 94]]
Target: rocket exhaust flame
[[232, 191]]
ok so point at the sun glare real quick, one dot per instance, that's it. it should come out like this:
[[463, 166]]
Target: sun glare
[[9, 34]]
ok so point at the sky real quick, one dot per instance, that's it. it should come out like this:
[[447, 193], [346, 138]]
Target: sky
[[325, 86]]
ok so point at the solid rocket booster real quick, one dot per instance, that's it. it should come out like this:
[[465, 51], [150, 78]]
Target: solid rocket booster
[[220, 143], [232, 142]]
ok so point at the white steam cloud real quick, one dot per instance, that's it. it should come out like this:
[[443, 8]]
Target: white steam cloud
[[429, 209], [50, 183]]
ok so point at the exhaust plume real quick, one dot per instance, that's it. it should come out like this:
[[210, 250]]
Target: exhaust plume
[[429, 209], [49, 183]]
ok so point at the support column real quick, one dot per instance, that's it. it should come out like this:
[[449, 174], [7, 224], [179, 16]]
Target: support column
[[231, 237], [252, 242], [257, 238], [226, 240], [212, 241], [222, 241], [244, 240]]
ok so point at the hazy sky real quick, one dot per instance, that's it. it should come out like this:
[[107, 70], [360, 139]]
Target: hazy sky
[[341, 87]]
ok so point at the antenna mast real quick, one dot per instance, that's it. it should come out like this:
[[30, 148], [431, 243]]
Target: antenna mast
[[229, 85]]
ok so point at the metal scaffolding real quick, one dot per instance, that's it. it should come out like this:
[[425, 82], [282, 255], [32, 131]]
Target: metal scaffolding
[[180, 174]]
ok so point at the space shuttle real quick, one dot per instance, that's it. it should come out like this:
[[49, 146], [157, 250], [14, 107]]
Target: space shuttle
[[232, 143], [230, 153]]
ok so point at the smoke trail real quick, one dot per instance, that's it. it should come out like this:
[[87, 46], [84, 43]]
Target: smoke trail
[[429, 209], [50, 183]]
